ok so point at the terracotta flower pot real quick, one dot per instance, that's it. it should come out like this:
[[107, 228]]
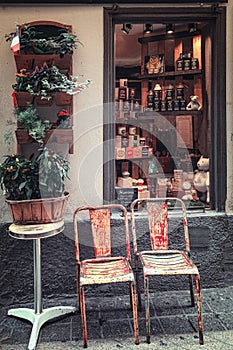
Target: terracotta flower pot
[[38, 211]]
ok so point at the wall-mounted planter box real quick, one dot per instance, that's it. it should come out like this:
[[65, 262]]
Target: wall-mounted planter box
[[22, 99], [30, 61], [31, 56], [60, 136], [44, 101], [63, 99]]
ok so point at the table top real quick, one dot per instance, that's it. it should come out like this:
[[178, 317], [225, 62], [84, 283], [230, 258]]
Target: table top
[[36, 231]]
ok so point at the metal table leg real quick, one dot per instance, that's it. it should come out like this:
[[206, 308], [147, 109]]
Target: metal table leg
[[38, 316]]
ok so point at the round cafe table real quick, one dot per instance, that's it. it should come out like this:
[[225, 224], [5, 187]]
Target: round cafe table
[[37, 316]]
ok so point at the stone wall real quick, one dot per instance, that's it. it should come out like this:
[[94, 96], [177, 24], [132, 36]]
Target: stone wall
[[211, 247]]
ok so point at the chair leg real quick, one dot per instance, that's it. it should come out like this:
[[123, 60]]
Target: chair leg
[[83, 315], [191, 290], [138, 285], [78, 285], [200, 326], [135, 312], [147, 307], [130, 294]]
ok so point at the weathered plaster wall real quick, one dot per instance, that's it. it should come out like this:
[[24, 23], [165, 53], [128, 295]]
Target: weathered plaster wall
[[86, 162]]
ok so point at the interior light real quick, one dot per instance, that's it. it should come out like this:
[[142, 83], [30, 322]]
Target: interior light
[[192, 27], [126, 28], [148, 28], [170, 28]]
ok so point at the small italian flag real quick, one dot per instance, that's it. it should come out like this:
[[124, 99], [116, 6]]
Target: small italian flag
[[15, 44]]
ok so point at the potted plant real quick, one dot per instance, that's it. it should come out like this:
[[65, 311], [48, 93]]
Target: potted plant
[[21, 97], [47, 80], [28, 118], [34, 188], [63, 119], [39, 43]]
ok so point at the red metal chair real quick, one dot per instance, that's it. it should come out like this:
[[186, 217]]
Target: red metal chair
[[162, 260], [103, 268]]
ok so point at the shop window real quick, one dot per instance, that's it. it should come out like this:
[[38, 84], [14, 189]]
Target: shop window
[[164, 138]]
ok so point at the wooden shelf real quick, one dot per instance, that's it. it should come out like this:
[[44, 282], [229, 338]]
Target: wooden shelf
[[130, 159], [153, 38], [170, 74], [154, 114]]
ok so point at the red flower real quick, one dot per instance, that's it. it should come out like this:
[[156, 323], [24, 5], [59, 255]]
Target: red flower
[[63, 113]]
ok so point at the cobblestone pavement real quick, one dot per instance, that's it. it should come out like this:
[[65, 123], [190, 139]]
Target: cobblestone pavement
[[109, 320]]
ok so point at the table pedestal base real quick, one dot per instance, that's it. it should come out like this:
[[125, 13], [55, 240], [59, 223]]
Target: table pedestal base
[[39, 319]]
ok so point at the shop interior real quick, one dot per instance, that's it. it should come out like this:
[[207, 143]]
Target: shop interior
[[162, 110]]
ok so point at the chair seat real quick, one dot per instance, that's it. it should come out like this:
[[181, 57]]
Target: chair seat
[[167, 262], [105, 270]]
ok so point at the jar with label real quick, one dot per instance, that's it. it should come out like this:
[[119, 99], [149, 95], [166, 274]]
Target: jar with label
[[182, 105], [169, 92], [163, 107], [180, 91], [169, 105], [157, 106], [179, 63], [150, 99], [187, 61], [194, 63], [176, 105], [124, 141], [157, 92]]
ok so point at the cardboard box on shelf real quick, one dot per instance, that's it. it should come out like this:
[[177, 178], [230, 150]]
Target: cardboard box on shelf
[[129, 152], [120, 153], [125, 182], [137, 152]]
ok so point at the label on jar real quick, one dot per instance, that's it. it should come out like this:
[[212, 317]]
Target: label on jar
[[182, 105], [163, 106], [150, 99], [176, 105], [187, 64], [169, 94], [179, 93], [157, 95], [169, 105], [124, 142], [194, 63], [157, 106], [179, 64]]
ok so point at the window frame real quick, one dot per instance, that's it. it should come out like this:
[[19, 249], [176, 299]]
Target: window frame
[[217, 16]]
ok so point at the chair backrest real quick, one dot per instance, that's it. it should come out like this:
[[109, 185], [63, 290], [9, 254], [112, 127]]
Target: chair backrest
[[157, 214], [100, 223]]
